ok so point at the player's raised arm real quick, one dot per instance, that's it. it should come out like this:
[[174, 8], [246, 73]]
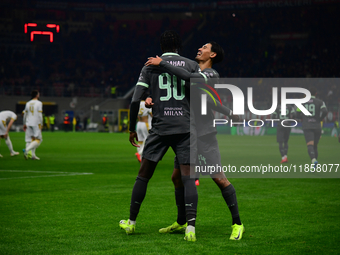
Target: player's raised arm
[[219, 108], [323, 110]]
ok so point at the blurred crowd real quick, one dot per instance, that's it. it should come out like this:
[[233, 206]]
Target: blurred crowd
[[90, 56]]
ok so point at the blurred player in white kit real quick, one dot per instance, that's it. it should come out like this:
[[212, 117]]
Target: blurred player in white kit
[[33, 121], [4, 129], [143, 127]]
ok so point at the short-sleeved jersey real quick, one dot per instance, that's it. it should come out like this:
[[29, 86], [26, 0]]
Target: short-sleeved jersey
[[290, 111], [315, 106], [170, 95], [5, 115], [33, 113], [204, 123], [210, 73]]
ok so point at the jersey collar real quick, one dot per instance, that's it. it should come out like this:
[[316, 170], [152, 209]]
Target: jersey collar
[[170, 54]]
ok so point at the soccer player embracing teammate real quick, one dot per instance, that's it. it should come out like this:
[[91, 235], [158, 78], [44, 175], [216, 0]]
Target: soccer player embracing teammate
[[170, 128], [207, 145]]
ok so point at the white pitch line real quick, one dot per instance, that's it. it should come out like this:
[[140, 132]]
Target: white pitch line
[[56, 174]]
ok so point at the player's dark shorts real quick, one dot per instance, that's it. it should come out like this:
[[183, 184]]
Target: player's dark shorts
[[157, 145], [208, 152], [312, 135], [282, 134]]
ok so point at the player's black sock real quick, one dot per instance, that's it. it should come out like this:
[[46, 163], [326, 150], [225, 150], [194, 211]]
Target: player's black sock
[[316, 151], [190, 198], [285, 148], [138, 194], [282, 150], [197, 176], [229, 195], [311, 151], [179, 196]]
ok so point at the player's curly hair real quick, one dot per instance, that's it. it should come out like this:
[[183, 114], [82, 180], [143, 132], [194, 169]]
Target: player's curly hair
[[34, 93], [170, 41], [215, 47]]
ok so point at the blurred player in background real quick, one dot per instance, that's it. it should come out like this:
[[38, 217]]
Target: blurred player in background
[[143, 127], [5, 128], [52, 122], [208, 150], [33, 121], [170, 128], [283, 133], [105, 123], [311, 125], [28, 140]]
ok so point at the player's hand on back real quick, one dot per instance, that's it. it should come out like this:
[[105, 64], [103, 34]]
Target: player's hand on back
[[24, 128], [132, 138], [148, 102], [153, 61]]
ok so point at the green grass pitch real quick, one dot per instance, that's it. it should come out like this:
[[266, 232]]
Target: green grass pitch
[[47, 209]]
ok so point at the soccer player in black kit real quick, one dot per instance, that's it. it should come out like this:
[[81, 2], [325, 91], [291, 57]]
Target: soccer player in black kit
[[208, 151], [170, 128], [283, 132], [311, 125]]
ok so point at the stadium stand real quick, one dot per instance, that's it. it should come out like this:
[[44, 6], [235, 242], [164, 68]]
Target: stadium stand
[[99, 47]]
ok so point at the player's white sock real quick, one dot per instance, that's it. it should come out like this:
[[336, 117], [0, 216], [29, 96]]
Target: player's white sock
[[9, 144], [33, 145], [133, 222], [33, 152], [313, 160], [190, 229], [138, 148], [141, 147]]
